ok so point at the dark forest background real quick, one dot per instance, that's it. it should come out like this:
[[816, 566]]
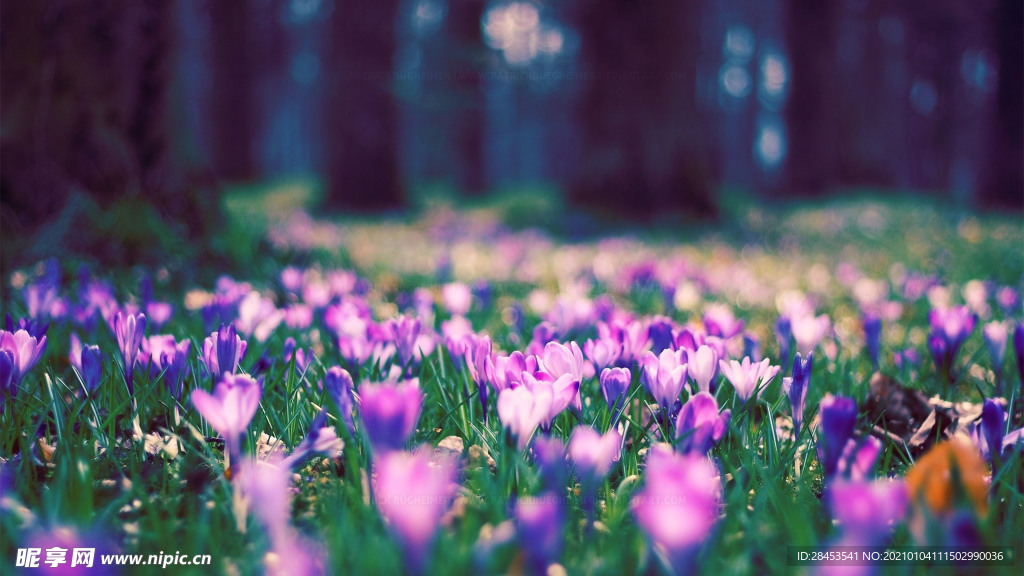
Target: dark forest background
[[638, 107]]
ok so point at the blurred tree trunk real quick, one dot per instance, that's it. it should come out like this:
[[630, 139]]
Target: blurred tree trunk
[[468, 58], [362, 140], [1005, 186], [84, 109], [232, 90], [813, 157], [644, 144]]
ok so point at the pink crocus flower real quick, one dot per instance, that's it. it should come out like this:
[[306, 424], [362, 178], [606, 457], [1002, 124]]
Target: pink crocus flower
[[412, 493], [129, 329], [457, 297], [230, 408], [679, 504], [25, 351], [522, 409], [564, 390], [664, 376], [702, 367], [258, 317], [390, 412], [809, 330], [594, 453], [748, 377]]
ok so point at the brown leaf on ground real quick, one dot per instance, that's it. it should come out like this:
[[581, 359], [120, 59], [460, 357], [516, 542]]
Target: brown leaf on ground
[[904, 415]]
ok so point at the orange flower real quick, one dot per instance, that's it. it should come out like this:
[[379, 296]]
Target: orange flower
[[931, 479]]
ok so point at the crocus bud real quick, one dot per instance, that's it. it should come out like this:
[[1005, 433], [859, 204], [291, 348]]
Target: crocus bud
[[796, 390], [223, 350], [614, 387], [130, 330], [7, 385], [92, 368], [838, 419], [338, 384], [872, 337], [993, 425], [1018, 350]]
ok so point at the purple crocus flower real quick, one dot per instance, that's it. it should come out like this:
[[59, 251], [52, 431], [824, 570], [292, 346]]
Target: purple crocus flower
[[700, 426], [33, 327], [478, 355], [7, 386], [174, 363], [223, 350], [614, 387], [784, 334], [230, 408], [996, 335], [866, 511], [549, 454], [564, 390], [659, 332], [542, 334], [91, 368], [858, 459], [719, 321], [130, 329], [540, 522], [302, 358], [838, 419], [872, 336], [1018, 350], [993, 426], [522, 409], [403, 333], [679, 505], [507, 371], [747, 377], [593, 455], [602, 352], [751, 345], [390, 412], [321, 439], [664, 376], [796, 388], [268, 488], [412, 493], [950, 327], [702, 367], [338, 383], [25, 351], [560, 360]]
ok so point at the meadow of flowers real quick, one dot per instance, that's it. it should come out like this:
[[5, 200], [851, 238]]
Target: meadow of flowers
[[452, 395]]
